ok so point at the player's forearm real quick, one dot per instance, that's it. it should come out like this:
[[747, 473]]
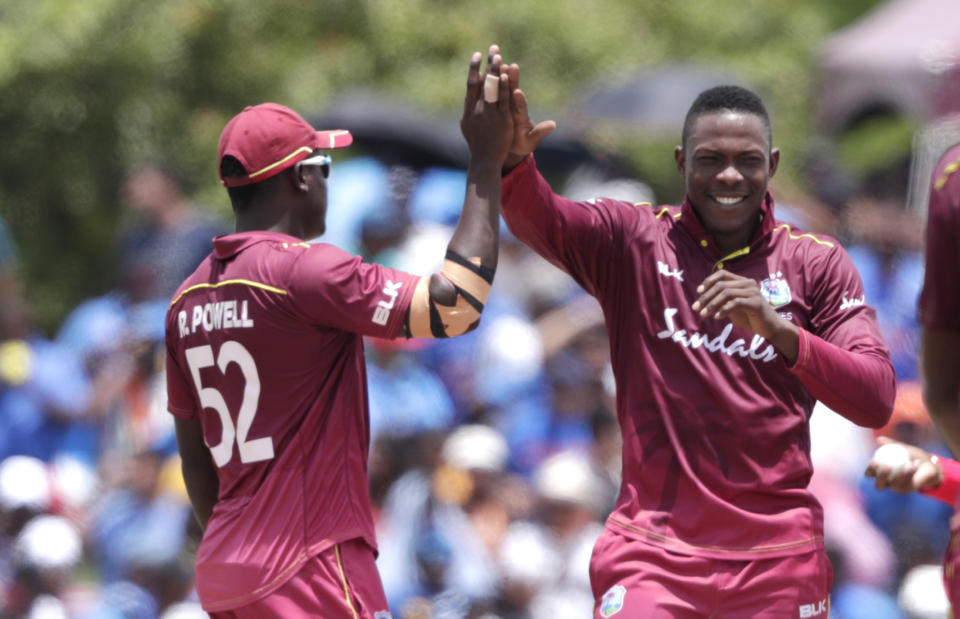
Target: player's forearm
[[858, 385], [203, 486], [478, 230]]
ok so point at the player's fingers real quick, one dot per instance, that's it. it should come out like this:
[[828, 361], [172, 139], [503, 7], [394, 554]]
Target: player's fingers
[[542, 130], [716, 276], [491, 81], [518, 105], [881, 479], [927, 475], [712, 292], [504, 96], [513, 72], [473, 83], [492, 53]]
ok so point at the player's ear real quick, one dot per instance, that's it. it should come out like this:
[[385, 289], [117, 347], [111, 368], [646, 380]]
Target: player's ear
[[774, 161], [681, 158], [298, 178]]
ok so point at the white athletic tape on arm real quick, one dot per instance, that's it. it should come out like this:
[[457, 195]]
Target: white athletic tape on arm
[[491, 88]]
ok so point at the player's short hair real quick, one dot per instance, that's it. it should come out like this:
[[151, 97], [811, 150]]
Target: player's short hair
[[726, 97], [240, 197]]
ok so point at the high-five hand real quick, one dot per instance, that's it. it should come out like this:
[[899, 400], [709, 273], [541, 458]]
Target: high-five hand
[[526, 135], [487, 121]]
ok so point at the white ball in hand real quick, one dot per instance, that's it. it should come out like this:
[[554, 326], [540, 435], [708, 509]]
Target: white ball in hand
[[893, 456]]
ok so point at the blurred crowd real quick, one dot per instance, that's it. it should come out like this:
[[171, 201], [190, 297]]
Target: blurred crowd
[[495, 457]]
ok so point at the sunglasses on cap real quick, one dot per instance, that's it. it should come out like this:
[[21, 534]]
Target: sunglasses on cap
[[323, 161]]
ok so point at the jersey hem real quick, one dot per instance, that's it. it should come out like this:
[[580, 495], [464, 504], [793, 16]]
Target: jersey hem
[[285, 575], [771, 551]]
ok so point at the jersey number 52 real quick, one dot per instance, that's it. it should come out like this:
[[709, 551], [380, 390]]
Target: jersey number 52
[[253, 450]]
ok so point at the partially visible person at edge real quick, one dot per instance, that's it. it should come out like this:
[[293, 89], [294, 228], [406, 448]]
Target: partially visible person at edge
[[265, 363], [725, 327], [939, 315]]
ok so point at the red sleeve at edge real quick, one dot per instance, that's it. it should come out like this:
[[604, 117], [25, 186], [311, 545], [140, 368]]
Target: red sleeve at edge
[[946, 491]]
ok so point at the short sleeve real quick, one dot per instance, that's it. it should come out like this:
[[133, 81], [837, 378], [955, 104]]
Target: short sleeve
[[333, 288]]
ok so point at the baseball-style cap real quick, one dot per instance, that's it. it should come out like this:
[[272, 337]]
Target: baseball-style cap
[[269, 138]]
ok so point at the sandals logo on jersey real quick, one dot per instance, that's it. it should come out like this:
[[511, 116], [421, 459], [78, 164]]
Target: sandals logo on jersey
[[612, 601], [776, 290]]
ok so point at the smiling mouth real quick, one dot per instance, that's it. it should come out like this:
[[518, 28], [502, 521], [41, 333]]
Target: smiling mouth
[[729, 200]]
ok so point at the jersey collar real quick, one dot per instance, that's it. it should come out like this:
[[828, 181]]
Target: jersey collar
[[229, 245], [689, 220]]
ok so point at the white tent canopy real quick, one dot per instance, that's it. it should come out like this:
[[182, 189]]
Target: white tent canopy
[[903, 56]]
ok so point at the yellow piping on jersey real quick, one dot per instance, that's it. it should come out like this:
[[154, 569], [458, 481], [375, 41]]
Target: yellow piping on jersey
[[245, 282], [947, 171], [805, 235], [743, 251], [666, 210], [343, 580]]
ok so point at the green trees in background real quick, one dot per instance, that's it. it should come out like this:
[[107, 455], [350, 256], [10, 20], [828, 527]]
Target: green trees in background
[[91, 88]]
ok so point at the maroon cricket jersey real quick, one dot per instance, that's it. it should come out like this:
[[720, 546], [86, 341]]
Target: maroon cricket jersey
[[939, 306], [716, 446], [264, 346]]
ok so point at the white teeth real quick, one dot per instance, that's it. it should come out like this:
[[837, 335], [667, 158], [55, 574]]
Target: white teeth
[[727, 200]]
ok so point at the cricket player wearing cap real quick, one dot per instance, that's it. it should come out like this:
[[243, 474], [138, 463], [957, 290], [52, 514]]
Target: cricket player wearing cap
[[265, 367], [725, 327]]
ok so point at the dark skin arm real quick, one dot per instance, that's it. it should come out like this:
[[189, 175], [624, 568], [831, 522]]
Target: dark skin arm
[[199, 473], [488, 129], [726, 295], [940, 373]]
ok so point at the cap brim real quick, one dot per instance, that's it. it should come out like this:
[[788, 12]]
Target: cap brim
[[337, 138]]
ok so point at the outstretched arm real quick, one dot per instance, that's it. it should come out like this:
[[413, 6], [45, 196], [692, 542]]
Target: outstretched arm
[[449, 303]]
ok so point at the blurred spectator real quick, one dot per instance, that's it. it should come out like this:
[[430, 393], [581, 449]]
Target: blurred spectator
[[441, 527], [886, 240], [921, 593], [168, 237], [43, 392], [138, 529], [44, 555]]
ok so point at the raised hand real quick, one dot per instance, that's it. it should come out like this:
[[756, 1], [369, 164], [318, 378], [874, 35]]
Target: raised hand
[[487, 126], [526, 135], [726, 295]]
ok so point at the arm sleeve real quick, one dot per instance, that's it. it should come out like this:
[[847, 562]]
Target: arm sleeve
[[333, 288], [581, 238], [843, 361], [939, 306], [947, 490]]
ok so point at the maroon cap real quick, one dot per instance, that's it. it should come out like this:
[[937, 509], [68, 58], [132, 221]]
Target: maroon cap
[[269, 138]]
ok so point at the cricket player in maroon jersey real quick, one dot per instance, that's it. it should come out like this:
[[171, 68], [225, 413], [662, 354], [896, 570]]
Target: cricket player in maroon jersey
[[725, 326], [939, 314], [265, 365]]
